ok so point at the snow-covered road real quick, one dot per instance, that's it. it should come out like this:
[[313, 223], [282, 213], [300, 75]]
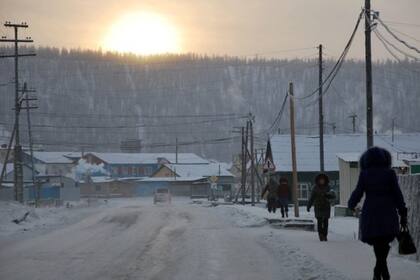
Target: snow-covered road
[[137, 240]]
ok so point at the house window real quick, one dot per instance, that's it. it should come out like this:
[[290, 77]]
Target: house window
[[303, 191], [98, 188], [129, 171], [148, 171]]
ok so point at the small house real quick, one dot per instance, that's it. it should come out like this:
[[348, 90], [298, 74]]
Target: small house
[[195, 180], [50, 163], [121, 165], [106, 187], [308, 157], [349, 172], [53, 188]]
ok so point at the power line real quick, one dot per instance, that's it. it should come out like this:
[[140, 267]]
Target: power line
[[134, 116], [405, 34], [396, 37], [278, 118], [330, 77], [385, 44], [130, 126], [402, 23], [222, 140]]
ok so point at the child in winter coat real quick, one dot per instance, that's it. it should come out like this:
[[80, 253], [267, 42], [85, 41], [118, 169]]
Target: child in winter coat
[[321, 197]]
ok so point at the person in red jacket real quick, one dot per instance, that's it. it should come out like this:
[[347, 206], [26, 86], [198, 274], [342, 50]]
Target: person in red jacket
[[283, 197]]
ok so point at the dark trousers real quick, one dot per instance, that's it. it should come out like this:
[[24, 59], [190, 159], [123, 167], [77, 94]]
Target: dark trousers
[[284, 210], [323, 226], [381, 249], [272, 204]]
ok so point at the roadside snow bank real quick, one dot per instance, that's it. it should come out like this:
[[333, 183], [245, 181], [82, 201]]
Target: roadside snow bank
[[40, 217]]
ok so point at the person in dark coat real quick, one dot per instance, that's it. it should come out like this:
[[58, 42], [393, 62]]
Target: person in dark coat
[[272, 196], [383, 202], [321, 197], [283, 197]]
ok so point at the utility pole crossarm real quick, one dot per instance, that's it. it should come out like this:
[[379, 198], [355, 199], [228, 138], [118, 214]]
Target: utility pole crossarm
[[17, 40], [19, 55]]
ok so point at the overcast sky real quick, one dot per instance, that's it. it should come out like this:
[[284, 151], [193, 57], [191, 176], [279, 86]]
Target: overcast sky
[[235, 27]]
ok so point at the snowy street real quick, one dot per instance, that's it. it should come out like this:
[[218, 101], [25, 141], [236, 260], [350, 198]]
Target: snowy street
[[134, 239]]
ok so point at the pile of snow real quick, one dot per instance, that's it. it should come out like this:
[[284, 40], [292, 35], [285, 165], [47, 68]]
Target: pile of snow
[[39, 218]]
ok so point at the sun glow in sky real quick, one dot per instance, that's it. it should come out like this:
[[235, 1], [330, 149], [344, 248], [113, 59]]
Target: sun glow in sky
[[143, 34]]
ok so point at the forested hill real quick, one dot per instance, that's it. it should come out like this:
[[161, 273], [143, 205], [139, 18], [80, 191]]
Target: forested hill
[[90, 98]]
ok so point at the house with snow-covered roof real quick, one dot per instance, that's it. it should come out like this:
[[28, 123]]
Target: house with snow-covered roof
[[50, 163], [194, 180], [139, 164], [307, 154]]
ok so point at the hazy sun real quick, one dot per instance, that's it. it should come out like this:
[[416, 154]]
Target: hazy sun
[[142, 33]]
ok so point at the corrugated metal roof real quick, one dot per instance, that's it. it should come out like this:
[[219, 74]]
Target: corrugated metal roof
[[199, 170], [149, 158], [52, 157], [354, 157], [307, 148]]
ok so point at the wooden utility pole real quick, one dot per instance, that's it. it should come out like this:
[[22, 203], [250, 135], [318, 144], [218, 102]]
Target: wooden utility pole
[[368, 54], [6, 159], [393, 129], [246, 143], [17, 162], [293, 147], [251, 130], [321, 113], [176, 150], [353, 121], [243, 169], [25, 92]]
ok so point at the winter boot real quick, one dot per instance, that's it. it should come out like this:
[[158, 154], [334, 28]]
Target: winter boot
[[321, 237]]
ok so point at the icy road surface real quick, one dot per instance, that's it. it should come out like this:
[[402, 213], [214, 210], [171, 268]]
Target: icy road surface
[[137, 240]]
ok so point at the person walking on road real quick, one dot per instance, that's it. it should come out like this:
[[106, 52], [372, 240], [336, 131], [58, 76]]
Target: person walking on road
[[383, 202], [272, 196], [283, 197], [321, 198]]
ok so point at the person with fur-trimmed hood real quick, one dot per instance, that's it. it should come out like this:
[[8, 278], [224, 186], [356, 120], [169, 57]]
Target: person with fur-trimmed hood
[[321, 198], [384, 202]]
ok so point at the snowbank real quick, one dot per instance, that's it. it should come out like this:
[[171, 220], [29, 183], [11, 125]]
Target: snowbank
[[40, 218]]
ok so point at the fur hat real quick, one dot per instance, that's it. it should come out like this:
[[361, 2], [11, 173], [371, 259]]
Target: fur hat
[[324, 176], [375, 157]]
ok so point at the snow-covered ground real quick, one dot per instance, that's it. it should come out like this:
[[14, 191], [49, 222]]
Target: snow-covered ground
[[44, 219], [134, 239]]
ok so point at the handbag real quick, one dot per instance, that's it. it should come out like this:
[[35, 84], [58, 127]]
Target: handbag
[[405, 242]]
